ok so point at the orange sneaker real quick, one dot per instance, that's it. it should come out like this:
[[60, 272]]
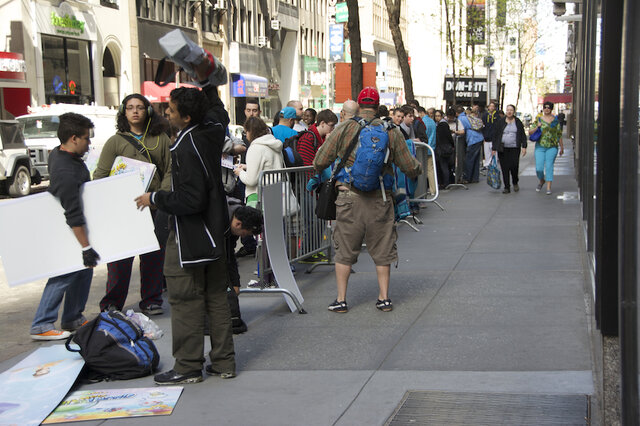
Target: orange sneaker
[[51, 335]]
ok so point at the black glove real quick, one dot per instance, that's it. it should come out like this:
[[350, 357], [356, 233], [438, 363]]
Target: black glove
[[90, 257]]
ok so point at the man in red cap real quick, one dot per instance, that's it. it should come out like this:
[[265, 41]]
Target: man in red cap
[[365, 215]]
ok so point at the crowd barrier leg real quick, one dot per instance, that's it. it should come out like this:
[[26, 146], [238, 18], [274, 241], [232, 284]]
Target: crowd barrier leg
[[422, 150]]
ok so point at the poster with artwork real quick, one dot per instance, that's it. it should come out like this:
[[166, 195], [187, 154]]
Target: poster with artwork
[[144, 170], [115, 403], [31, 389]]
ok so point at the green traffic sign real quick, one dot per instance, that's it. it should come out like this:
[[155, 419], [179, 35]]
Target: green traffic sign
[[342, 13]]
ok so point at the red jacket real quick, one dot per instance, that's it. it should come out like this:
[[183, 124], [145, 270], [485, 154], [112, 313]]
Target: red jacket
[[308, 145]]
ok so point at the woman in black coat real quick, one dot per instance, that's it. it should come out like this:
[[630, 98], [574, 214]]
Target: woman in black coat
[[445, 150], [508, 140]]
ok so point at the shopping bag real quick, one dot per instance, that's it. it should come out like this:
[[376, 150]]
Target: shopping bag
[[493, 174], [326, 204]]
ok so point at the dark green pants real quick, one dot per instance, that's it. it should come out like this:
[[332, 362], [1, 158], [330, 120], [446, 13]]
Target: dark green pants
[[192, 293]]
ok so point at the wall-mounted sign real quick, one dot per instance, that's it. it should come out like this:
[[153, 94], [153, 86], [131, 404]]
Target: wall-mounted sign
[[67, 24], [65, 21], [248, 85], [12, 67], [311, 63]]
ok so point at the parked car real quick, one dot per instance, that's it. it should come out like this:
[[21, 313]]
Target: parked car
[[41, 127], [16, 172]]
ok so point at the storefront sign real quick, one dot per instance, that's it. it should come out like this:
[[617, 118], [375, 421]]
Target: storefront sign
[[466, 88], [67, 25], [65, 21], [12, 67], [247, 85]]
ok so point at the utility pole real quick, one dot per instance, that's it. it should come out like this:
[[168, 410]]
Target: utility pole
[[487, 58]]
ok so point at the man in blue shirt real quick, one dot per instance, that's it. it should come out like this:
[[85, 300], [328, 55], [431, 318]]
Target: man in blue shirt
[[474, 138], [430, 130], [284, 128]]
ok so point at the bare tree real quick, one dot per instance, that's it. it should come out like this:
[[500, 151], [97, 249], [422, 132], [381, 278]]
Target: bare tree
[[353, 25], [393, 9]]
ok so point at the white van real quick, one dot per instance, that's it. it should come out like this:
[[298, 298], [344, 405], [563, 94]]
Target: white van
[[41, 127]]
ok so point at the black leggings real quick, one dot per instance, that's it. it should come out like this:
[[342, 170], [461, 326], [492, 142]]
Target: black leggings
[[509, 163]]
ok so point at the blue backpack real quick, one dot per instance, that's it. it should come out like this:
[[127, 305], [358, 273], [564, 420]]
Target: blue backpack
[[114, 348], [371, 153]]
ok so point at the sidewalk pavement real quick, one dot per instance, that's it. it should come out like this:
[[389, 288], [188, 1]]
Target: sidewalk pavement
[[489, 296]]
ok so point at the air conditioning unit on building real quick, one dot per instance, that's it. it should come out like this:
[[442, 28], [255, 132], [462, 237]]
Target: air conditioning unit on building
[[275, 24], [262, 41], [220, 5]]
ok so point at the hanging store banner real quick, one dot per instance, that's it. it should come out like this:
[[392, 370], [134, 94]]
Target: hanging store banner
[[475, 21], [336, 43]]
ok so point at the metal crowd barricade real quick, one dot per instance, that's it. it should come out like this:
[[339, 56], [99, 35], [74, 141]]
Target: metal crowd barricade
[[461, 148], [422, 149], [304, 234]]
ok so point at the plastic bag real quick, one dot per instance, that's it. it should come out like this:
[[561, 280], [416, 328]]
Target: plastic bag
[[149, 328], [493, 174]]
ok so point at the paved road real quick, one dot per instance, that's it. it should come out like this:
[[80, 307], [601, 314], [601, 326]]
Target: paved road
[[489, 297]]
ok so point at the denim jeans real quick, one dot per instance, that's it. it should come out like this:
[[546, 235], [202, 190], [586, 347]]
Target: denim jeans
[[545, 157], [75, 289], [472, 162]]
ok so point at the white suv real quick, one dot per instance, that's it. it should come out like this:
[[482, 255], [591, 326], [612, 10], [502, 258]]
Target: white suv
[[16, 173]]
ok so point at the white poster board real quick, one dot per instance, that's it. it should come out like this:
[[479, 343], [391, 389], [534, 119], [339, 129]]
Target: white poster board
[[37, 243]]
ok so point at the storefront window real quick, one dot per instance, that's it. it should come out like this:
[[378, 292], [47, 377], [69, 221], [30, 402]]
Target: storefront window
[[68, 76]]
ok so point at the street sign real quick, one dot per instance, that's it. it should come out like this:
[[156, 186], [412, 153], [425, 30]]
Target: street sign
[[342, 12]]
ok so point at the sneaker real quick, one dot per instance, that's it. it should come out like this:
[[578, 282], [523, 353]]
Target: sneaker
[[74, 329], [548, 192], [539, 187], [384, 305], [243, 251], [338, 306], [506, 191], [152, 310], [172, 377], [51, 335], [516, 188], [110, 308], [226, 375]]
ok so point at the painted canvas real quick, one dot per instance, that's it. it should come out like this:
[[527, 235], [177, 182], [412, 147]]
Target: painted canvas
[[31, 389], [116, 403]]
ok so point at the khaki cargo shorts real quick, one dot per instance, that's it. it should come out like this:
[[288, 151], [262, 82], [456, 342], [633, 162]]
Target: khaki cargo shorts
[[364, 217]]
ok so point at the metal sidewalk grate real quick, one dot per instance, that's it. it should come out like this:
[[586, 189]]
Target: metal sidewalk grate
[[457, 408]]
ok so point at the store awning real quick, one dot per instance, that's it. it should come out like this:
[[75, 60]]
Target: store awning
[[559, 98], [158, 94], [249, 85]]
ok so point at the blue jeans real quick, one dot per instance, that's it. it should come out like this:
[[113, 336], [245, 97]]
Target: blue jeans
[[545, 157], [472, 162], [75, 289]]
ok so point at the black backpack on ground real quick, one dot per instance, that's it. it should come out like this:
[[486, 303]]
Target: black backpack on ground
[[114, 348]]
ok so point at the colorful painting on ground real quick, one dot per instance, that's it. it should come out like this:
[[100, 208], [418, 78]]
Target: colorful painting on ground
[[116, 403], [31, 389]]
